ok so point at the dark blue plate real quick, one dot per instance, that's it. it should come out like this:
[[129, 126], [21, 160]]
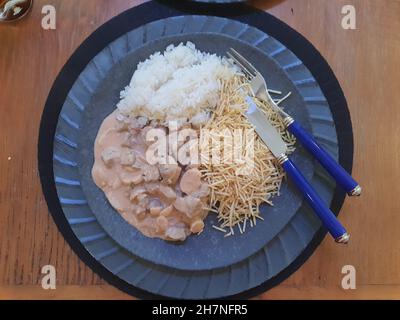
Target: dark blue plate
[[208, 265], [210, 249]]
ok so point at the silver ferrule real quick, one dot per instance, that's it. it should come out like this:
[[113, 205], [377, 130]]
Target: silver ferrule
[[343, 239], [282, 158], [356, 191], [287, 121]]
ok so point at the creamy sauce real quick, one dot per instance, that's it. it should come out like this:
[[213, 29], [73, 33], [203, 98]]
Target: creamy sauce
[[162, 201]]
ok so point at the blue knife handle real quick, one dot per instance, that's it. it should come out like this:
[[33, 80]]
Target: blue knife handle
[[329, 220], [336, 171]]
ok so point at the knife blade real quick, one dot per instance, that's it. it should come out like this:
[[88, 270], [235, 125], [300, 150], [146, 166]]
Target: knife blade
[[267, 132]]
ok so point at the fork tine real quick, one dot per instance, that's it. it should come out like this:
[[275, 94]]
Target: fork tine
[[244, 62], [242, 67]]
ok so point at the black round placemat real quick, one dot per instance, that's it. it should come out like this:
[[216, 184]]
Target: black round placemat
[[153, 11]]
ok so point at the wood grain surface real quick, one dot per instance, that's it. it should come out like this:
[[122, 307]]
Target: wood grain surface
[[366, 62]]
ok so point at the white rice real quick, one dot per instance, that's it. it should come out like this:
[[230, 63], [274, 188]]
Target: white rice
[[180, 84]]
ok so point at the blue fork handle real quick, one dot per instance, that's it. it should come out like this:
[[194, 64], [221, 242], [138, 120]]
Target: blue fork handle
[[329, 220], [336, 171]]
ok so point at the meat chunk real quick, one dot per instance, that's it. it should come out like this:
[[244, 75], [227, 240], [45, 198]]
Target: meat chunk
[[138, 211], [191, 181], [110, 155], [202, 192], [136, 191], [155, 207], [194, 206], [167, 193], [176, 233], [152, 187], [128, 157], [162, 223], [197, 226], [188, 205], [167, 211], [170, 173], [155, 211], [131, 178], [150, 173], [143, 200]]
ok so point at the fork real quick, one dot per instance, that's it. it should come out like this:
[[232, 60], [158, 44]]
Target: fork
[[260, 89]]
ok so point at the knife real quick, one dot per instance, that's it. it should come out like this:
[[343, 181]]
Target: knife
[[273, 140]]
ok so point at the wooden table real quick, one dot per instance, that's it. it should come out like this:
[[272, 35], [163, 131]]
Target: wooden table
[[366, 62]]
